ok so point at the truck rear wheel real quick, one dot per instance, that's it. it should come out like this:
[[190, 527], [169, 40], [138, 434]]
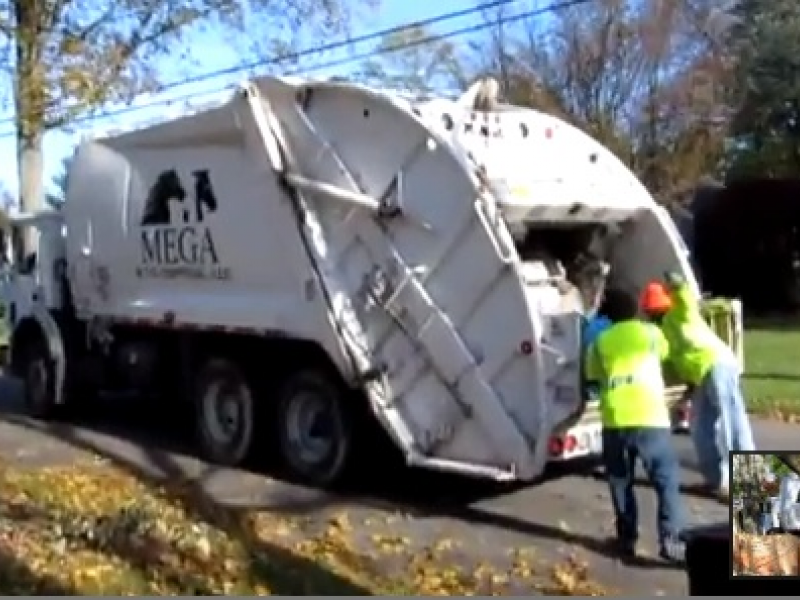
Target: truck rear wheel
[[37, 371], [314, 428], [225, 413]]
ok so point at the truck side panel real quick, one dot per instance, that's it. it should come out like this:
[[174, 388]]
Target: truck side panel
[[188, 224]]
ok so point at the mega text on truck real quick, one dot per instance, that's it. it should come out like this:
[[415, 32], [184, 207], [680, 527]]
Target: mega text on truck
[[312, 260]]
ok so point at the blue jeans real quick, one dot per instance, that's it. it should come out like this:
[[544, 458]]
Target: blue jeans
[[719, 423], [653, 445]]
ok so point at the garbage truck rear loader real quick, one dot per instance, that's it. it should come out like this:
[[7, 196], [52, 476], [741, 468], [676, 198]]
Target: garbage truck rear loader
[[311, 258]]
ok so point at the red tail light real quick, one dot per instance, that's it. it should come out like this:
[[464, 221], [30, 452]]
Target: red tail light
[[556, 446]]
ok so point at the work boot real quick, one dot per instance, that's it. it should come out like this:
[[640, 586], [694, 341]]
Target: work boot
[[673, 550], [624, 549], [712, 492]]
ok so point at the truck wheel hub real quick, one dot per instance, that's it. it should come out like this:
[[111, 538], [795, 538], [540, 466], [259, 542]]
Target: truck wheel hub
[[311, 427], [36, 380], [224, 414]]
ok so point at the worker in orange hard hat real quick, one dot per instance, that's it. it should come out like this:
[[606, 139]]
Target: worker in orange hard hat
[[710, 368], [655, 302]]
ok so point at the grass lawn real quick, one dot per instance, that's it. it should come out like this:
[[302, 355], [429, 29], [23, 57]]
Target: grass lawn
[[772, 368]]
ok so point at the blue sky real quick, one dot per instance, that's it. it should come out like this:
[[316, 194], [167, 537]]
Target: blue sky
[[59, 144]]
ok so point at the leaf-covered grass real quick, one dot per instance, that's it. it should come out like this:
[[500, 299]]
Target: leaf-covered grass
[[772, 368], [94, 529]]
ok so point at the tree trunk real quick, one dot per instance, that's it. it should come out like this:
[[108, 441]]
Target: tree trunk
[[30, 165], [29, 101]]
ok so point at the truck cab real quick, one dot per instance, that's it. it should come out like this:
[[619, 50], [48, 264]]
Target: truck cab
[[35, 291]]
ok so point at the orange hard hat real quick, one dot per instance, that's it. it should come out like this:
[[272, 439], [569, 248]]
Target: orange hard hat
[[656, 298]]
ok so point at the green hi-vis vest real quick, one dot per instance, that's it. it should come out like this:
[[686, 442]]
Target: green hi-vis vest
[[625, 362], [694, 346]]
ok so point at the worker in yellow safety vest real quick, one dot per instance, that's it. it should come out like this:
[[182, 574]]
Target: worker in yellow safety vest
[[719, 421], [624, 362]]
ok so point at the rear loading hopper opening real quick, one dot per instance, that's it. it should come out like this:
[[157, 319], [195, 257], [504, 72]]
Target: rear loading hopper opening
[[566, 268], [582, 259]]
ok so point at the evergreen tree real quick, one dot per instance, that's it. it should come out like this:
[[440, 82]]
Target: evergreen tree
[[766, 100]]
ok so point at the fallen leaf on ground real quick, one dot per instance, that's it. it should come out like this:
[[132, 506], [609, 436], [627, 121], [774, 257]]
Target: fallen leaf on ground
[[94, 529], [570, 578]]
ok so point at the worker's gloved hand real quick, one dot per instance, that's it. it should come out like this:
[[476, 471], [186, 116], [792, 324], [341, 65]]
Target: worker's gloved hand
[[674, 280]]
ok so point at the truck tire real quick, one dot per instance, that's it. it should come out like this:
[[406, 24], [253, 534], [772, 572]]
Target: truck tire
[[38, 374], [224, 413], [314, 430]]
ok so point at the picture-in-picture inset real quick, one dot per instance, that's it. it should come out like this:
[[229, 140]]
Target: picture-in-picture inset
[[765, 514]]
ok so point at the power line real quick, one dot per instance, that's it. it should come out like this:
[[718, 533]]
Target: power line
[[503, 20], [337, 45]]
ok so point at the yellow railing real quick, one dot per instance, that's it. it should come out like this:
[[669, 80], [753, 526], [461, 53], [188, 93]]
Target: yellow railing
[[725, 318]]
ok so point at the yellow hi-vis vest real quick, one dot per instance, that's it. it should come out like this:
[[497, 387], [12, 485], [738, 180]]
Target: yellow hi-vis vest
[[625, 363]]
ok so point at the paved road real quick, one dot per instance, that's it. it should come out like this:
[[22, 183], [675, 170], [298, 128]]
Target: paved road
[[567, 515]]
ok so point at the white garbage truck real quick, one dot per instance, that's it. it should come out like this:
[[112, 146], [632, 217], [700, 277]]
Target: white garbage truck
[[314, 259]]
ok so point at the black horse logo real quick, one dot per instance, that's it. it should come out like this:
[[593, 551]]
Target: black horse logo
[[203, 194], [167, 187]]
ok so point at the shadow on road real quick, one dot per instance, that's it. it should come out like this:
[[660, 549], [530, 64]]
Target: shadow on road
[[171, 434], [420, 493], [17, 578], [698, 491], [281, 571], [541, 531]]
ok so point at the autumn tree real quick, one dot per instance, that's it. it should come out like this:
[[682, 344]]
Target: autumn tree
[[68, 57], [418, 59], [639, 78], [414, 58], [646, 79], [499, 51], [766, 97], [589, 58]]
